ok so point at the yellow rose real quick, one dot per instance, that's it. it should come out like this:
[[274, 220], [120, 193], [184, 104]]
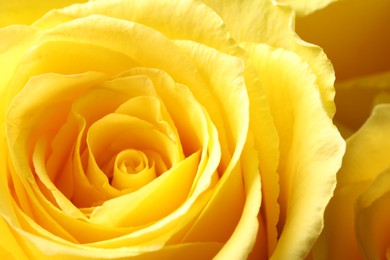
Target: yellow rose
[[357, 222], [164, 129]]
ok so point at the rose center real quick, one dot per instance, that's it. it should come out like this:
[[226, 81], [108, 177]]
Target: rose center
[[130, 169]]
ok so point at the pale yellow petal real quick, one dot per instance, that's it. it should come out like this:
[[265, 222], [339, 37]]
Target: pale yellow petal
[[354, 35], [19, 39], [27, 11], [311, 147], [304, 7], [273, 24], [177, 20]]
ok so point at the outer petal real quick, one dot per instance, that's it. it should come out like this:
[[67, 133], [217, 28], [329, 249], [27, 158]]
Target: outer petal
[[304, 7], [19, 39], [27, 11], [366, 157], [176, 19], [310, 147], [267, 22], [353, 33], [241, 19]]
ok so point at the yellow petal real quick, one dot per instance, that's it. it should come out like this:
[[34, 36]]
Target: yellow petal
[[356, 45], [218, 217], [338, 239], [303, 7], [243, 239], [27, 11], [372, 218], [356, 98], [135, 208], [371, 139], [186, 113], [241, 17], [267, 22], [311, 147], [366, 157], [193, 251], [76, 58], [266, 141], [177, 20], [19, 39], [136, 42], [9, 245], [224, 76]]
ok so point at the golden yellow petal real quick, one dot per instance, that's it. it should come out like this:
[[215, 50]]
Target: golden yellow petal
[[9, 244], [153, 111], [134, 209], [31, 107], [131, 170], [266, 141], [218, 217], [76, 58], [187, 114], [224, 76], [48, 250], [243, 239]]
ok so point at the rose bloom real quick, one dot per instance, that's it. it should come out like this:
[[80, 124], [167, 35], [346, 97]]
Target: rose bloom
[[357, 222], [163, 129]]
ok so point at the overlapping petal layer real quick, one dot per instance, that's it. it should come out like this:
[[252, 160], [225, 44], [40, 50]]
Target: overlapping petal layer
[[305, 160], [160, 135], [359, 205]]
